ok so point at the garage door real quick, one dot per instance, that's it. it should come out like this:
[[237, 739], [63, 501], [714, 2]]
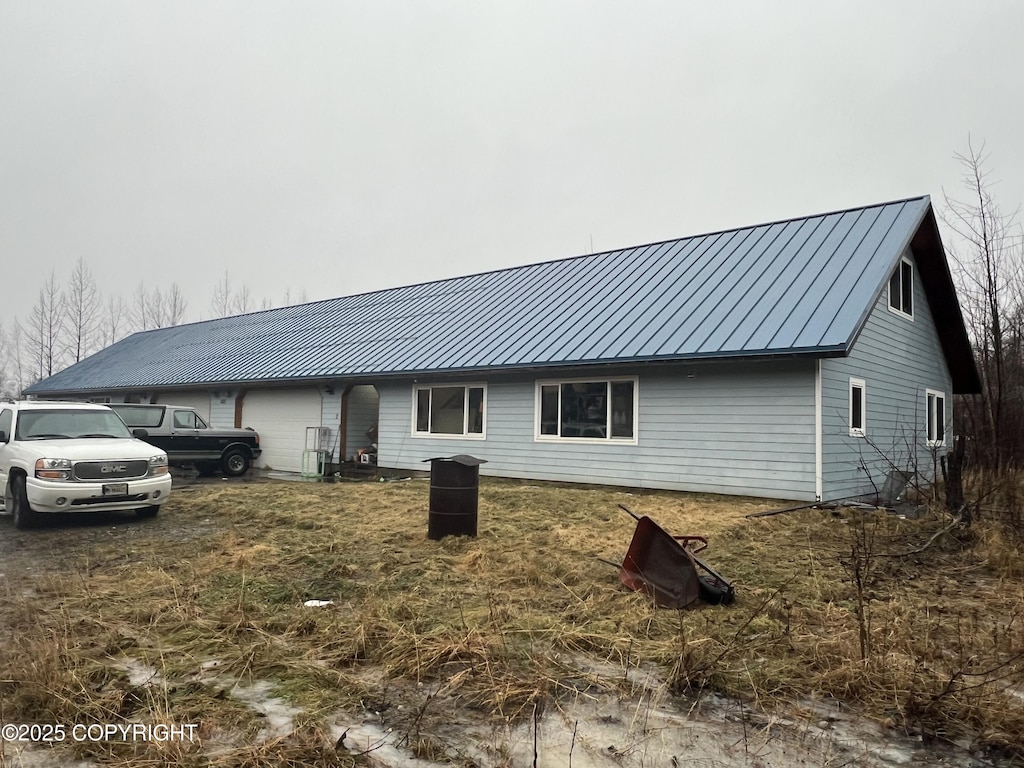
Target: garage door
[[198, 400], [281, 418]]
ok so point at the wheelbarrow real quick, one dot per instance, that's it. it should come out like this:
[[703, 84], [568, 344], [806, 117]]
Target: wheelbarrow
[[667, 567]]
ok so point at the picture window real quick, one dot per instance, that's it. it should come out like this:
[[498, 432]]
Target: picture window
[[449, 410], [587, 410]]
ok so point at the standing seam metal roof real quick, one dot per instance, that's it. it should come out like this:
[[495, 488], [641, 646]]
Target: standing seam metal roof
[[801, 286]]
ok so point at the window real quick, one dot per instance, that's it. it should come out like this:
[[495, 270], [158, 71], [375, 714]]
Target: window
[[901, 289], [140, 415], [449, 410], [587, 410], [936, 427], [858, 407], [188, 420]]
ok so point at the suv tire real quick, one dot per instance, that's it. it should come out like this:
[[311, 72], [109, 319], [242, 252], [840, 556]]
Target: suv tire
[[22, 514]]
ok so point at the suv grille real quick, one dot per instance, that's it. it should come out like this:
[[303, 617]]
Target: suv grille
[[111, 470]]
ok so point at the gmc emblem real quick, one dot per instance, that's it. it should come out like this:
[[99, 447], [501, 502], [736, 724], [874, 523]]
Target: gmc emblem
[[106, 469]]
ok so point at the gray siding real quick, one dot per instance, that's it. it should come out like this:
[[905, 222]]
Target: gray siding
[[898, 359], [740, 428]]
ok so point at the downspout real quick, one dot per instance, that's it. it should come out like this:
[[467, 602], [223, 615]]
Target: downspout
[[818, 473]]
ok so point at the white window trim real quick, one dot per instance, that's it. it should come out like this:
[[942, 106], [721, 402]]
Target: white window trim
[[609, 440], [913, 279], [416, 388], [862, 430], [930, 396]]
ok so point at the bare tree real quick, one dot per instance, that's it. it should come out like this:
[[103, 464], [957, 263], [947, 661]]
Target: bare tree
[[220, 304], [140, 313], [174, 307], [44, 334], [81, 303], [990, 262], [243, 301], [16, 346], [114, 321], [230, 301], [156, 308], [288, 301]]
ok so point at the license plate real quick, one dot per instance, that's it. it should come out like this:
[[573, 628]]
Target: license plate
[[115, 489]]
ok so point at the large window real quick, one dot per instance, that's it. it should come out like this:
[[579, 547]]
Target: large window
[[587, 410], [901, 289], [936, 421], [450, 409], [858, 407]]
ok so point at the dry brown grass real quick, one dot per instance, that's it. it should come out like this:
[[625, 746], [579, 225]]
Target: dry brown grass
[[836, 604]]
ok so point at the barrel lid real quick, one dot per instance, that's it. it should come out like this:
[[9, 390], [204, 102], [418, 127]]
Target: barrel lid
[[462, 458]]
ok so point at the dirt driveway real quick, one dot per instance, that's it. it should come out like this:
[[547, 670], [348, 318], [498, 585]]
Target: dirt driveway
[[26, 554]]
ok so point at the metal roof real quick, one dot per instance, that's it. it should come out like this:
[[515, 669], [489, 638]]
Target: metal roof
[[801, 286]]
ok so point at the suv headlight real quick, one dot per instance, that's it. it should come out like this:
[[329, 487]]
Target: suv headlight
[[53, 469], [158, 465]]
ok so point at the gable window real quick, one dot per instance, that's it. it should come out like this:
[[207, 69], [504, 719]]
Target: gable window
[[901, 289], [449, 409], [936, 426], [858, 407], [587, 410]]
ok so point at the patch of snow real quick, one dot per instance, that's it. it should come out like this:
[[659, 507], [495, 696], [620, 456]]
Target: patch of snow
[[280, 715], [140, 675]]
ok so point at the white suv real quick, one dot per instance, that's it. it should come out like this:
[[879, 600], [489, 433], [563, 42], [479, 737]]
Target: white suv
[[76, 457]]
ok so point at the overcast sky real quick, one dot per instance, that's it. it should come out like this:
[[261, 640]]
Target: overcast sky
[[316, 149]]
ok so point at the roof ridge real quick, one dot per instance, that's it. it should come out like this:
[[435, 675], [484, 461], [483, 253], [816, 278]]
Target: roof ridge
[[535, 264]]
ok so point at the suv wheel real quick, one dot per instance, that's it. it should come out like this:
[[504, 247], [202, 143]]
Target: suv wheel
[[23, 515]]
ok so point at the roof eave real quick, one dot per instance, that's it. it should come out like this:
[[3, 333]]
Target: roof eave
[[937, 282], [369, 376]]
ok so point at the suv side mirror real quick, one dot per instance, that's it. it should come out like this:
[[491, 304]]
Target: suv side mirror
[[3, 437], [140, 433]]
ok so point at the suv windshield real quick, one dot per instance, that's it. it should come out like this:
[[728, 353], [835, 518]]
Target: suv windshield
[[43, 424]]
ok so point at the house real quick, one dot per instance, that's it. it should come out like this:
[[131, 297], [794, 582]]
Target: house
[[801, 359]]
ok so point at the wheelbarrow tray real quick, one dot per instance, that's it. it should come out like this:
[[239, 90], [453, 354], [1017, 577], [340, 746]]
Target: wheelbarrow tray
[[658, 564]]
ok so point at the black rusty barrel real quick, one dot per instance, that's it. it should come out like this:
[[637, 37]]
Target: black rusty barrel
[[454, 493]]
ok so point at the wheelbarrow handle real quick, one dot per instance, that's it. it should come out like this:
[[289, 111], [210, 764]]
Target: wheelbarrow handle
[[685, 540], [630, 512]]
